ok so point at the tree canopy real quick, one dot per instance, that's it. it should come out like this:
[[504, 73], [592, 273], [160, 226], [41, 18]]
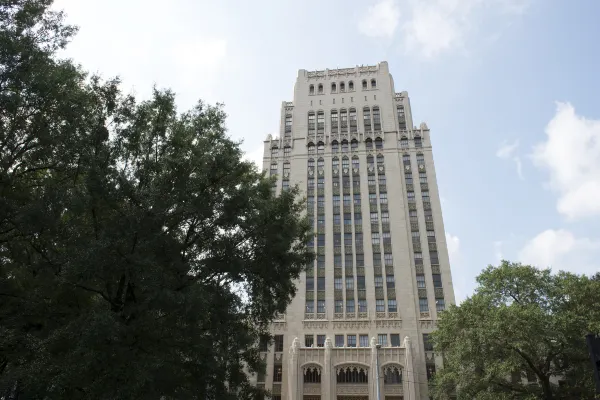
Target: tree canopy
[[140, 256], [520, 336]]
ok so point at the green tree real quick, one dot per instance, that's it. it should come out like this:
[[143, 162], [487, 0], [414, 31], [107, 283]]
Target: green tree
[[522, 325], [140, 256]]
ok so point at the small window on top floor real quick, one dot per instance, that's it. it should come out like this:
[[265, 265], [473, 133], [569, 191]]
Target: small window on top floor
[[364, 84], [351, 86], [418, 142], [320, 148], [342, 87], [287, 150], [311, 148], [288, 124], [373, 84], [403, 142], [354, 144], [274, 151], [378, 143], [369, 143], [344, 145], [311, 89], [335, 146], [333, 88], [320, 88]]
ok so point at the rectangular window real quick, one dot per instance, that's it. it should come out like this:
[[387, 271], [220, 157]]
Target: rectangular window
[[409, 179], [347, 219], [362, 306], [379, 281], [427, 343], [360, 282], [385, 217], [410, 195], [347, 200], [321, 306], [349, 283], [363, 340], [374, 238], [381, 179], [339, 340], [392, 306], [321, 184], [321, 201], [311, 183], [360, 259], [437, 280], [380, 305], [339, 306], [425, 195], [374, 218], [278, 341], [377, 260], [383, 198], [320, 340], [310, 306], [389, 281], [347, 239], [440, 305], [337, 283], [310, 283], [321, 239], [263, 344], [388, 259], [309, 340], [337, 239], [351, 340], [395, 340], [337, 261], [349, 306], [285, 185], [321, 220], [321, 261], [337, 219], [420, 281], [357, 199], [371, 180], [336, 201], [321, 283], [372, 198], [277, 372], [357, 219], [358, 239], [423, 305], [348, 259], [382, 339]]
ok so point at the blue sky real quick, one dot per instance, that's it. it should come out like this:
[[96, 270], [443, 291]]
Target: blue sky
[[508, 87]]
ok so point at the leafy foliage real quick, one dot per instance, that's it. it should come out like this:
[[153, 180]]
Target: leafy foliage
[[140, 256], [523, 325]]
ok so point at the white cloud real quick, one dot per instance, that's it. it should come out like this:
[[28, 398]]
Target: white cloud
[[432, 27], [571, 155], [380, 19], [561, 250], [507, 152]]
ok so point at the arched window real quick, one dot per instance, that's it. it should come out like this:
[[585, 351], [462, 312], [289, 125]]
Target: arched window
[[311, 148], [320, 148], [350, 86], [335, 163], [345, 162], [364, 84], [378, 143], [333, 88], [352, 375], [311, 89], [376, 119], [286, 168], [287, 150], [288, 124], [334, 121], [354, 144], [418, 142], [320, 88], [320, 122], [369, 143], [311, 122], [273, 168], [403, 142], [320, 163], [344, 146], [274, 151], [392, 375], [335, 146], [342, 87], [312, 375], [370, 162], [355, 162], [311, 163], [373, 84], [379, 159]]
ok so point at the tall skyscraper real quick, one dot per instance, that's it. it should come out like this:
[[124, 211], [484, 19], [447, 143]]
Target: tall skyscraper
[[382, 276]]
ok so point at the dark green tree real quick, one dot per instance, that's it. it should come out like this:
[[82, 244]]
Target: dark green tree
[[140, 256], [521, 333]]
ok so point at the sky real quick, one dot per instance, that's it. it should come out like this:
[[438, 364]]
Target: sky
[[509, 89]]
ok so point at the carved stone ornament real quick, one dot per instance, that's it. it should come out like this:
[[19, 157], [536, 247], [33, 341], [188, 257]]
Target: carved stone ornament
[[421, 167], [312, 388], [311, 172], [315, 324], [355, 170], [353, 389], [311, 368], [407, 168], [396, 324]]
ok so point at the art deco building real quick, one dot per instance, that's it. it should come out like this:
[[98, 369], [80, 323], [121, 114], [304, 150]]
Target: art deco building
[[381, 277]]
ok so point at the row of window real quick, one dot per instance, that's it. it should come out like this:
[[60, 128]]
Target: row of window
[[342, 87], [346, 118]]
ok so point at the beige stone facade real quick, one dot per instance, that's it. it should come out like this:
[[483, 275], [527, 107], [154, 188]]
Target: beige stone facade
[[382, 274]]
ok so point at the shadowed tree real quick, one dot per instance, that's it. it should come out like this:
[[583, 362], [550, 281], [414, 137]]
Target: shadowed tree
[[140, 256]]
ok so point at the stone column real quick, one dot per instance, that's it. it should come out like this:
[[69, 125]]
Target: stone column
[[408, 375], [373, 370], [326, 373], [293, 370]]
